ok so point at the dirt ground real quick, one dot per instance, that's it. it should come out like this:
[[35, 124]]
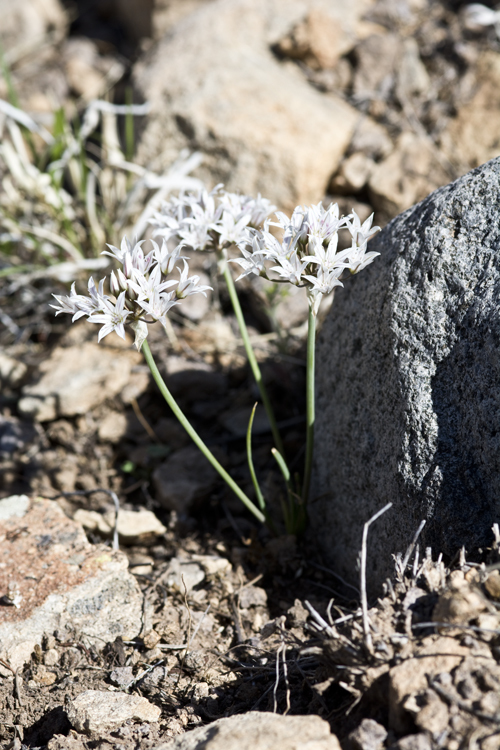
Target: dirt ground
[[274, 629]]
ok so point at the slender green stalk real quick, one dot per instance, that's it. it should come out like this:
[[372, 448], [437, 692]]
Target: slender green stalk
[[194, 435], [252, 359], [129, 127], [255, 481], [311, 341]]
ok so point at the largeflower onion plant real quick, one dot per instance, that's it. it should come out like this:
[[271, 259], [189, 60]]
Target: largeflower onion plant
[[146, 286]]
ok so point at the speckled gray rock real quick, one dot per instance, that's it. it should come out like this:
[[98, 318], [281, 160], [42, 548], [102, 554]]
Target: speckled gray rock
[[408, 384]]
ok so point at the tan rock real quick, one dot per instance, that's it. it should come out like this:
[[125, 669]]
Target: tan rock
[[75, 379], [372, 139], [167, 13], [87, 72], [473, 137], [112, 427], [97, 711], [228, 96], [259, 731], [459, 605], [412, 76], [26, 24], [436, 655], [492, 584], [43, 676], [407, 175], [134, 527], [377, 60], [12, 371], [353, 174], [318, 40], [213, 565], [434, 715]]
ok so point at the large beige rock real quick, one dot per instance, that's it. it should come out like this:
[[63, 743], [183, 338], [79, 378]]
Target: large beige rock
[[54, 578], [215, 86], [473, 137], [406, 176], [259, 731], [25, 24]]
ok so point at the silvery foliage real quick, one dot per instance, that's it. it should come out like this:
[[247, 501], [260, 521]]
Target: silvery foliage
[[140, 292], [307, 255]]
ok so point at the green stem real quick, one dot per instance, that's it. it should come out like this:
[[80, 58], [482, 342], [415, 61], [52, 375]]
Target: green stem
[[255, 481], [194, 435], [311, 341], [252, 359]]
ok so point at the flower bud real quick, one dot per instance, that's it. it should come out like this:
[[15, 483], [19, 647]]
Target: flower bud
[[114, 286]]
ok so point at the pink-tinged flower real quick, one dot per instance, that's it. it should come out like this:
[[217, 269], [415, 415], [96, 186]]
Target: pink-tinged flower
[[323, 224], [360, 233]]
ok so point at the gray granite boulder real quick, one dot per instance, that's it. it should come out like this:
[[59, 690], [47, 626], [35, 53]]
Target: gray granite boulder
[[408, 384]]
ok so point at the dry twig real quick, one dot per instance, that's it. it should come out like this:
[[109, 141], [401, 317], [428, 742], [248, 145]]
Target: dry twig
[[362, 576]]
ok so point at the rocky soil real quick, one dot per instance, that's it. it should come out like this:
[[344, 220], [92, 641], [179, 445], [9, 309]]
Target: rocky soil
[[189, 615]]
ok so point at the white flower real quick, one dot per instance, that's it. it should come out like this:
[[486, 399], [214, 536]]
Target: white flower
[[131, 257], [170, 219], [230, 229], [233, 203], [290, 268], [252, 261], [112, 318], [117, 253], [257, 209], [140, 289], [360, 233], [323, 223], [158, 305], [359, 258], [146, 287], [189, 284], [167, 260], [325, 281], [196, 215], [76, 304], [476, 16], [327, 257]]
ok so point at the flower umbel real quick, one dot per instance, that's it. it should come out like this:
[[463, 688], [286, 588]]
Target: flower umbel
[[307, 254], [138, 291]]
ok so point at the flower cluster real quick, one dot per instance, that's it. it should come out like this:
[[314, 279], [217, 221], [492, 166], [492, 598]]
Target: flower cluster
[[210, 221], [140, 291], [307, 254]]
